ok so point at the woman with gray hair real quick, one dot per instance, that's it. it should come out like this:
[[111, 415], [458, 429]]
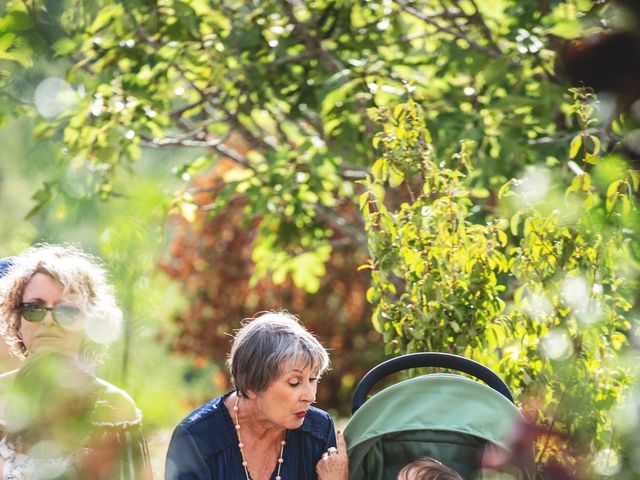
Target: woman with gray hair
[[266, 428], [57, 419]]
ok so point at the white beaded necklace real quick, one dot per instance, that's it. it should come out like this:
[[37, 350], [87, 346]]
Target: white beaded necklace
[[241, 445]]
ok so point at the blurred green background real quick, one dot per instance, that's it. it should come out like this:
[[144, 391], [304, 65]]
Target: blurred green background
[[455, 176]]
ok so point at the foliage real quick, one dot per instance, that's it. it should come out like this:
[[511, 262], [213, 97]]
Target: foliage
[[281, 88], [540, 291], [466, 254], [127, 234], [338, 313]]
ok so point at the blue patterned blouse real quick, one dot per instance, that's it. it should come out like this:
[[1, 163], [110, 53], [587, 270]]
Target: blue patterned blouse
[[205, 446]]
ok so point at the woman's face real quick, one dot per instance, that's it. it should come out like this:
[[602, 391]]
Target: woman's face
[[47, 335], [286, 401]]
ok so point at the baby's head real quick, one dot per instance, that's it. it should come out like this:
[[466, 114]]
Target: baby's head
[[426, 468]]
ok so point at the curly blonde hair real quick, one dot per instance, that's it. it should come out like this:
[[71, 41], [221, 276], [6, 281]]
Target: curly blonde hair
[[80, 274]]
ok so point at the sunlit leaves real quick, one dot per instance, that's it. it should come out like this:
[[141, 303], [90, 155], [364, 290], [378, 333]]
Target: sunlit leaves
[[248, 80], [483, 187], [536, 293], [445, 265]]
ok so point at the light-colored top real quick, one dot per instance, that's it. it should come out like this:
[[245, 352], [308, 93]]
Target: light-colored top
[[18, 466], [117, 428]]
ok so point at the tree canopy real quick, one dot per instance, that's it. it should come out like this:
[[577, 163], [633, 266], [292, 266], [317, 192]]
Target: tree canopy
[[291, 81], [438, 139]]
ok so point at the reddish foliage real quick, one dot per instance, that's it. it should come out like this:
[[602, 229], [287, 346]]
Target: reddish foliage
[[554, 452], [212, 259]]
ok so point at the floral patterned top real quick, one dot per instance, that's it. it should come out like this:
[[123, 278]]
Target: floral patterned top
[[110, 447], [115, 451]]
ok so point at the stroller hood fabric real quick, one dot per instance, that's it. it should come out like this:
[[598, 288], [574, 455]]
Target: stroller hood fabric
[[448, 417]]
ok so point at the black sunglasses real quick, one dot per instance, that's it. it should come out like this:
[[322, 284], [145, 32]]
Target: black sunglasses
[[62, 314]]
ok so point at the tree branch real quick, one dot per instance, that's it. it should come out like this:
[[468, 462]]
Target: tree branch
[[300, 31], [179, 142], [216, 144], [341, 224], [459, 35], [286, 60], [478, 19]]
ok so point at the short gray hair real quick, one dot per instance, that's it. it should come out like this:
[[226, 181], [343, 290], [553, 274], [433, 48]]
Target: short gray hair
[[266, 345]]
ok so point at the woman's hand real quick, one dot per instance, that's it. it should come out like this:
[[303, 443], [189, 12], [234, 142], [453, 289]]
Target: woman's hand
[[334, 464]]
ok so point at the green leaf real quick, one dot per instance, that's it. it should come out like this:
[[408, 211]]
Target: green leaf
[[105, 17], [373, 295], [396, 177], [64, 46], [596, 144], [337, 97], [576, 184], [495, 70], [504, 189], [380, 169], [592, 159], [612, 190], [6, 41], [513, 224], [42, 197], [626, 205], [568, 29], [576, 143], [635, 179], [502, 238], [377, 321]]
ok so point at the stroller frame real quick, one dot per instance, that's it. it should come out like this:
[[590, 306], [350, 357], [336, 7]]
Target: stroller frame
[[446, 416]]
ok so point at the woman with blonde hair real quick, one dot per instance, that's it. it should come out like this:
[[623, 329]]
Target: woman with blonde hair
[[57, 419]]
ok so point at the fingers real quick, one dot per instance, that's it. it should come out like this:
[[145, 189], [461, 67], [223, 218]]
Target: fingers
[[341, 443], [332, 451], [340, 450], [334, 463]]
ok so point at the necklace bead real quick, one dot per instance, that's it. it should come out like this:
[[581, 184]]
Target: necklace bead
[[245, 464]]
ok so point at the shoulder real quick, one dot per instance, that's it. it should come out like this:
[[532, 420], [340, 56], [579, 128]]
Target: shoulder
[[6, 381], [211, 412], [213, 416], [319, 417], [319, 424], [115, 407]]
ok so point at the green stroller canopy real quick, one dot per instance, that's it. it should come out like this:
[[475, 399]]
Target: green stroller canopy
[[445, 416]]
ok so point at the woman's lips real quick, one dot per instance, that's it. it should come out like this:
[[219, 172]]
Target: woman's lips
[[47, 335], [301, 414]]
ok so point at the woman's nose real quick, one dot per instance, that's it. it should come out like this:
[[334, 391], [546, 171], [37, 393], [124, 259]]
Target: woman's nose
[[48, 318], [309, 393]]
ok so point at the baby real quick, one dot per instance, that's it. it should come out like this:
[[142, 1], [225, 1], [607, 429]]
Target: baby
[[426, 468]]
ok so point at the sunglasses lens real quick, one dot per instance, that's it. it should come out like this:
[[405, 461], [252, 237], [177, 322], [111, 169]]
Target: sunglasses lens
[[63, 314], [33, 312], [66, 315]]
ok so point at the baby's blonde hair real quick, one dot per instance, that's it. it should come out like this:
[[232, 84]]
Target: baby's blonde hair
[[427, 468]]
